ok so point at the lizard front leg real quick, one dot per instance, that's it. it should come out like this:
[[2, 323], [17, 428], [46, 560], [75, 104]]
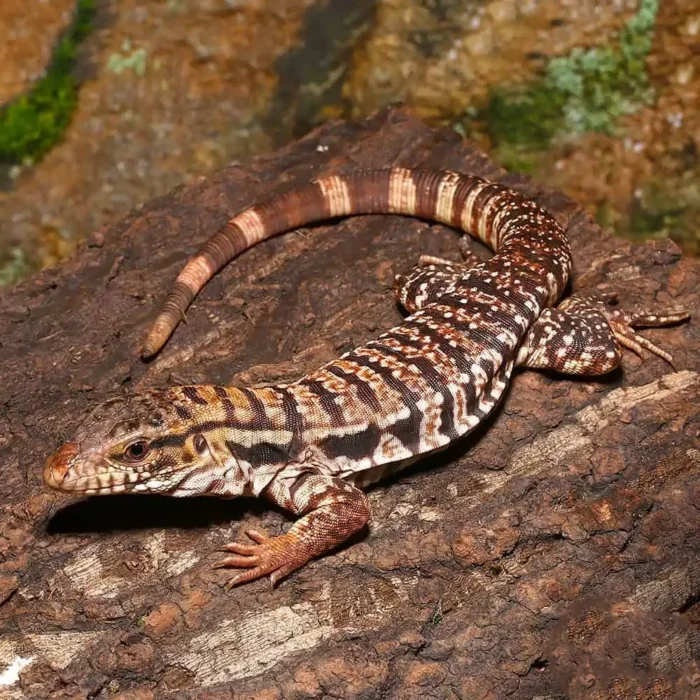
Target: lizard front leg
[[332, 510]]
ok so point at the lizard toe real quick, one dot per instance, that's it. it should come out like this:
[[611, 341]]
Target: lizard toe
[[623, 324], [271, 555]]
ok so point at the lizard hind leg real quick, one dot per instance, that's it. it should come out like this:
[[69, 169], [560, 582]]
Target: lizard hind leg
[[584, 335], [571, 341], [623, 323], [468, 258]]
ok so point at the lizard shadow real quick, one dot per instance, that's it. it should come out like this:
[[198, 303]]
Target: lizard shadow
[[610, 379], [121, 513]]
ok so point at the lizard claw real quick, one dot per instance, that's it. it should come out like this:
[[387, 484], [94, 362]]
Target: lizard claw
[[256, 536], [269, 555]]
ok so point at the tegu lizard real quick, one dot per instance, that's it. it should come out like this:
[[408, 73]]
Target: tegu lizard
[[311, 445]]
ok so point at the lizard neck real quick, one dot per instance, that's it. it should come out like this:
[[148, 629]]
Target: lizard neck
[[247, 431]]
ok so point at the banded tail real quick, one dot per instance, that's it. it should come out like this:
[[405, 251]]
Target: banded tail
[[483, 209]]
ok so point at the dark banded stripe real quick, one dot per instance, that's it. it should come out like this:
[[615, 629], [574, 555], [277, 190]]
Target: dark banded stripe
[[463, 316], [369, 190], [294, 208], [423, 324], [293, 418], [193, 395], [326, 400], [205, 426], [260, 453], [221, 248], [493, 206], [226, 404], [435, 379], [365, 392], [479, 204], [408, 429], [353, 446], [182, 412], [489, 394], [483, 337], [427, 185], [260, 419], [462, 192]]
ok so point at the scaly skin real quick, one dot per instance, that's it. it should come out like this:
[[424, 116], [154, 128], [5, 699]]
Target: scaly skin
[[310, 446]]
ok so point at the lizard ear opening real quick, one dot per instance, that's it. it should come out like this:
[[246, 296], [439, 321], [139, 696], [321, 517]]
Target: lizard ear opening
[[200, 444]]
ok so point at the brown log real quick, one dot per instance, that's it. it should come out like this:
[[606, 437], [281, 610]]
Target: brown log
[[552, 554]]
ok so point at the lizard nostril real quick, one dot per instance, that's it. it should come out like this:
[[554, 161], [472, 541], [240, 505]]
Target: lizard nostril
[[57, 465]]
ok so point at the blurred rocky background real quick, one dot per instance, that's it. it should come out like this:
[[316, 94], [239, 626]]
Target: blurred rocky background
[[106, 104]]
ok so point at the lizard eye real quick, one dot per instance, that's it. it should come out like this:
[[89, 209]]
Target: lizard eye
[[136, 451]]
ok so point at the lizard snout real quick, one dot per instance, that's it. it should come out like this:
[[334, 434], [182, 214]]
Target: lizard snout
[[58, 464]]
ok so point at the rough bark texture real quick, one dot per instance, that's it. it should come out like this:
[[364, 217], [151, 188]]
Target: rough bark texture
[[552, 554]]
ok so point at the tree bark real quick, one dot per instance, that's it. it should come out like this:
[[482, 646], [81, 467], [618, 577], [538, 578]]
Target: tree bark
[[552, 554]]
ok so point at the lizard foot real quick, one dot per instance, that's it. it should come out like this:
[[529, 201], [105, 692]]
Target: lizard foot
[[468, 258], [585, 335], [623, 324], [427, 260], [277, 556]]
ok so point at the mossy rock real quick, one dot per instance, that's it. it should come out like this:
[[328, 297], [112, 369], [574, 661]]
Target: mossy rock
[[33, 123]]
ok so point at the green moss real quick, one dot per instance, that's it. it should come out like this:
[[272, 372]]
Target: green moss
[[33, 123], [598, 86], [523, 117], [128, 60], [588, 90], [14, 267]]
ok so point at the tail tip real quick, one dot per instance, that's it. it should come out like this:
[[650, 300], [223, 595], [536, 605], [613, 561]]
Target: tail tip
[[148, 350], [155, 339]]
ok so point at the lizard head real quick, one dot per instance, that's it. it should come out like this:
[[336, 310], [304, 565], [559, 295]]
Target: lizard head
[[139, 444]]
